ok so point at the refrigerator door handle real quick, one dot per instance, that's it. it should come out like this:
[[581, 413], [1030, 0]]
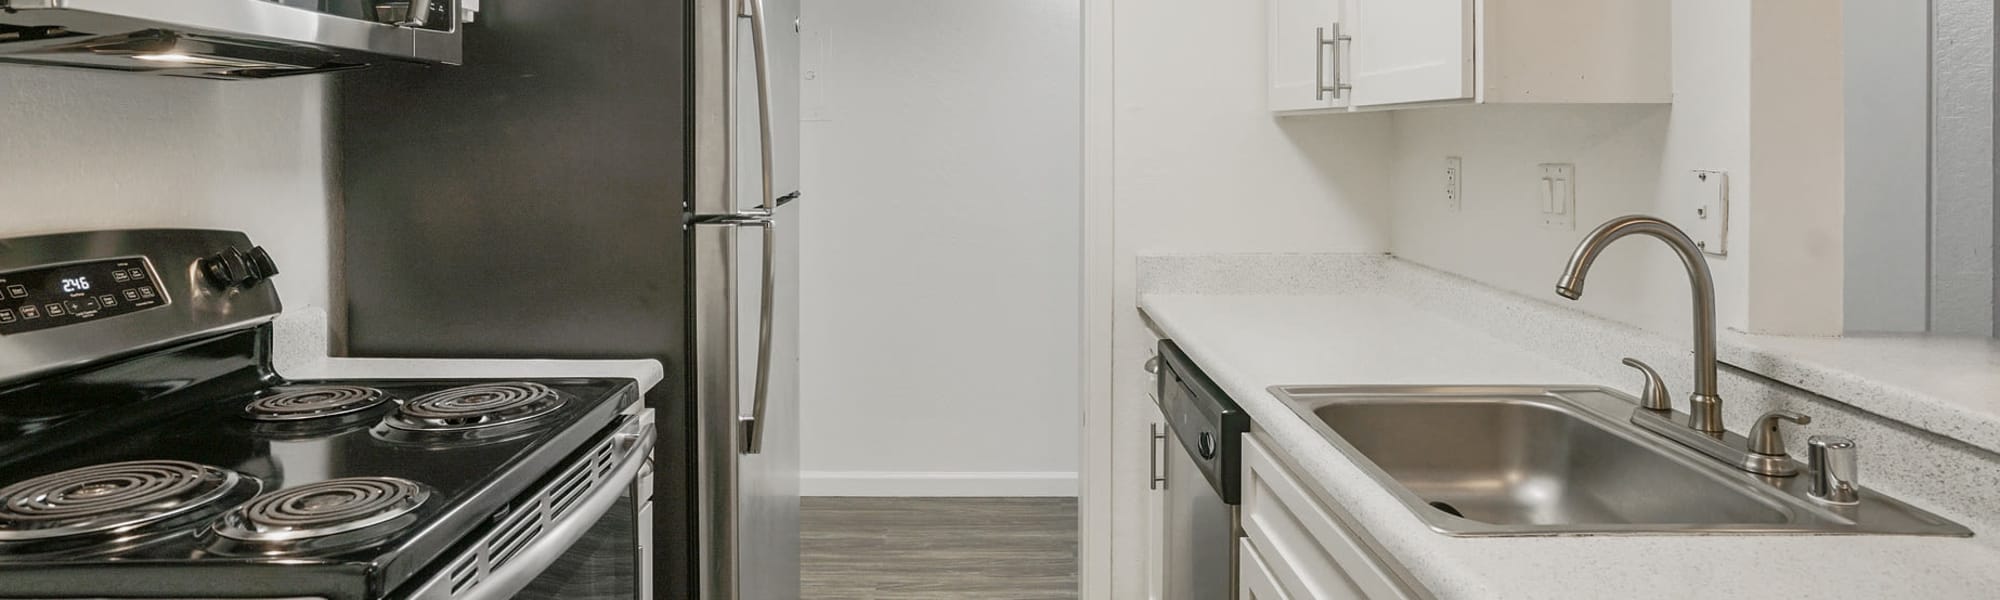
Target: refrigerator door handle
[[767, 308], [767, 201], [753, 424]]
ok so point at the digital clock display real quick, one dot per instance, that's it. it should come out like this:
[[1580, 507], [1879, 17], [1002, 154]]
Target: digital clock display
[[45, 297]]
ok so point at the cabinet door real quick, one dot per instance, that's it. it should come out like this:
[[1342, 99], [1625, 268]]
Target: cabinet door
[[1156, 517], [1299, 64], [1411, 51], [1254, 579], [1309, 552], [1156, 494]]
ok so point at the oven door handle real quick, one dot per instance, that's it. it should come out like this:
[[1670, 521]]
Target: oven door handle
[[510, 578]]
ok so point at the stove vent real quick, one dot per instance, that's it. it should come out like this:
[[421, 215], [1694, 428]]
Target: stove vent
[[550, 505]]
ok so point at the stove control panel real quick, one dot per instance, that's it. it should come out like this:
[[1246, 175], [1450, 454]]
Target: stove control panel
[[45, 297]]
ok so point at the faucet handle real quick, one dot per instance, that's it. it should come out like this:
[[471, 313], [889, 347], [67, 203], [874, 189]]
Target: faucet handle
[[1766, 438], [1654, 397], [1832, 462]]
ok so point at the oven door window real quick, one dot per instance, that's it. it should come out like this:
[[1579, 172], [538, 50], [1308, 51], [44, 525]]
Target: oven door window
[[603, 565]]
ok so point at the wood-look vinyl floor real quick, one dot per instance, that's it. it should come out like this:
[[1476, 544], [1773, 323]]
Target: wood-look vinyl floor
[[938, 548]]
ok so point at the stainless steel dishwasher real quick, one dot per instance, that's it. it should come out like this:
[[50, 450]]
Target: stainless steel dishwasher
[[1203, 477]]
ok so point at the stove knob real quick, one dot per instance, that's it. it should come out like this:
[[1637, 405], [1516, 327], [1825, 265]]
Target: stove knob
[[261, 265], [217, 271], [226, 268]]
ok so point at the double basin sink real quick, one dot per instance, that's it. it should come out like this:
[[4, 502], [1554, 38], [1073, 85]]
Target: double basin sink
[[1517, 460]]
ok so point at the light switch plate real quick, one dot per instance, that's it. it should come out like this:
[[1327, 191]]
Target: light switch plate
[[1557, 190], [1709, 216], [1453, 184]]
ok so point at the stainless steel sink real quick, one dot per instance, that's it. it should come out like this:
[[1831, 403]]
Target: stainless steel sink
[[1564, 460]]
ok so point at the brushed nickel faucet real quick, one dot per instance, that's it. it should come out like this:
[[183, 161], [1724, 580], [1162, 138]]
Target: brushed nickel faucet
[[1763, 452], [1705, 410]]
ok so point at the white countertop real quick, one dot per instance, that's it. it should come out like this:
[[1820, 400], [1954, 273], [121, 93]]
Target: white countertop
[[300, 353], [647, 372], [1250, 342], [1939, 383]]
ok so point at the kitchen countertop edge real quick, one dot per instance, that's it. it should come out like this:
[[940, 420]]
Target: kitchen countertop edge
[[301, 353]]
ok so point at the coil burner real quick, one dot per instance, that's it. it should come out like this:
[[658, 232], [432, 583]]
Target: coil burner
[[472, 407], [312, 402], [112, 506], [328, 515]]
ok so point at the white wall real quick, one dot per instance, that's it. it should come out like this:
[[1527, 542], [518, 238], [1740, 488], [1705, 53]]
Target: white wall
[[1962, 217], [1199, 165], [90, 150], [1797, 191], [1887, 62], [1629, 159], [1620, 153], [1780, 143], [941, 248]]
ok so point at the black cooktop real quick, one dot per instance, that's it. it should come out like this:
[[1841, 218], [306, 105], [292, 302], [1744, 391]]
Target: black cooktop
[[182, 411]]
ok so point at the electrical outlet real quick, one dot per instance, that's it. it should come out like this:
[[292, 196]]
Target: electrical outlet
[[1452, 183], [1558, 195]]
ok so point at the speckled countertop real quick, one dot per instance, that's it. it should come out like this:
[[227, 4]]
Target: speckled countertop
[[300, 353], [1371, 334], [1946, 384]]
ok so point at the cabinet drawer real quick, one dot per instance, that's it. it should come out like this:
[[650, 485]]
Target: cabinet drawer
[[1309, 551], [1254, 580]]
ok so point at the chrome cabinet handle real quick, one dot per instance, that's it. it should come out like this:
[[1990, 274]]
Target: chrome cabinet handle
[[1322, 46], [1157, 444]]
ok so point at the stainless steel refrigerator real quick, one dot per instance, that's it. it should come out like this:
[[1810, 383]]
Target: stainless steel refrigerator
[[604, 179]]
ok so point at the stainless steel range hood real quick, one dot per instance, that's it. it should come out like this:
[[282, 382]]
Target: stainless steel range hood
[[229, 39]]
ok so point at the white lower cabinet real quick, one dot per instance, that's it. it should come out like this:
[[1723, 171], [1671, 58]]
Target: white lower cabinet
[[1254, 580], [1296, 547], [1156, 493], [1156, 515]]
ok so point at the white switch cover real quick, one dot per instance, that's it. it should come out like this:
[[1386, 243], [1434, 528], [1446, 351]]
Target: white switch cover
[[1710, 216], [1453, 170], [1557, 187]]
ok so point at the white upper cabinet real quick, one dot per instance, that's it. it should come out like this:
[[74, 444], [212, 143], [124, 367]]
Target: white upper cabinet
[[1306, 55], [1411, 51], [1390, 54]]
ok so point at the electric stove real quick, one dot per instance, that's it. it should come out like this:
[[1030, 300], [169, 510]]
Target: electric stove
[[148, 448]]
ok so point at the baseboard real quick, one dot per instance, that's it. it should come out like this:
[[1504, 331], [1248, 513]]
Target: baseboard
[[936, 483]]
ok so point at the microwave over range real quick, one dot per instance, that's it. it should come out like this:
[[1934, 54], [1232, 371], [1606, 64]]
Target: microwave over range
[[231, 39]]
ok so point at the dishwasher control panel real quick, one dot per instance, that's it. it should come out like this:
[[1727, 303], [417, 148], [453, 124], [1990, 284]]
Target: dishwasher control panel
[[1208, 424]]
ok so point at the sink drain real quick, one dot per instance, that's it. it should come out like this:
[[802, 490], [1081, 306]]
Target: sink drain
[[1447, 508]]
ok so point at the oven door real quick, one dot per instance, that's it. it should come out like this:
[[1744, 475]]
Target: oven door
[[612, 560], [586, 535]]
